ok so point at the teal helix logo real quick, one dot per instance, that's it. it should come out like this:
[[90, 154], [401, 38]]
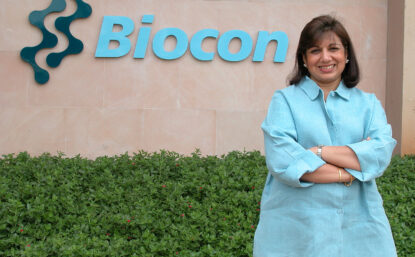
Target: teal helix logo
[[62, 24]]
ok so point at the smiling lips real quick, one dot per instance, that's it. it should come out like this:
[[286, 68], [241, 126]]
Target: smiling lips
[[328, 68]]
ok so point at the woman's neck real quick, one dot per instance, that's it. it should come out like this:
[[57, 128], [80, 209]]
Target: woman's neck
[[327, 88]]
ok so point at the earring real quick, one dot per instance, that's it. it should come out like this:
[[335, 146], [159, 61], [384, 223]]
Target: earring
[[305, 65], [347, 60]]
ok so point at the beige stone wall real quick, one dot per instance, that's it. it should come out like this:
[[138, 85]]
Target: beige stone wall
[[408, 103], [108, 106], [394, 68]]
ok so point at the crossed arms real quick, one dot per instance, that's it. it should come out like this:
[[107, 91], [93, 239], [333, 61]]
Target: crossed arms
[[337, 158], [296, 166]]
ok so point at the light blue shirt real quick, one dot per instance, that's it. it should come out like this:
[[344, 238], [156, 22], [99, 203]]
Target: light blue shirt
[[303, 219]]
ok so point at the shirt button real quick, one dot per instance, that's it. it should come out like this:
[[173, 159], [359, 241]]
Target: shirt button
[[340, 211]]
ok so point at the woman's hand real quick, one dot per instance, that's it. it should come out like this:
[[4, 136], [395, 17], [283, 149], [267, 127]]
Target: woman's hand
[[328, 173], [313, 149], [348, 176]]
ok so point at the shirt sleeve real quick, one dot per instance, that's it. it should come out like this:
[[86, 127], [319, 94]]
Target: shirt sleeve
[[287, 160], [374, 155]]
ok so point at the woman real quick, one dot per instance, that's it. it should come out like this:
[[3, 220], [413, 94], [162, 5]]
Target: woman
[[325, 142]]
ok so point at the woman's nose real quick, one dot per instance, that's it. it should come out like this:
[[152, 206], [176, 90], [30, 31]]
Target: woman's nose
[[325, 55]]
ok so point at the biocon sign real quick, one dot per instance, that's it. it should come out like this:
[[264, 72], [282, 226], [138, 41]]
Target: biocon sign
[[108, 34]]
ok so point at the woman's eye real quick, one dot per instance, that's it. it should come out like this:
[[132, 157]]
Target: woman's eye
[[315, 51], [334, 48]]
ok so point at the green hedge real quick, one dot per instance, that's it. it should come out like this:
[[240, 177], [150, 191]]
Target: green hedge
[[397, 187], [154, 204]]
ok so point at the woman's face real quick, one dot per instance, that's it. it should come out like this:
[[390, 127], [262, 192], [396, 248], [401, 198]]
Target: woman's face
[[326, 61]]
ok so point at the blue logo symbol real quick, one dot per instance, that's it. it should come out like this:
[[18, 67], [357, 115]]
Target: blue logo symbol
[[62, 24]]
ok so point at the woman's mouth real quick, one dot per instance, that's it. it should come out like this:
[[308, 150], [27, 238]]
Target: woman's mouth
[[327, 68]]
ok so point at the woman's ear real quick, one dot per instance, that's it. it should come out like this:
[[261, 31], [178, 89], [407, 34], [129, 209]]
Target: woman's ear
[[304, 61]]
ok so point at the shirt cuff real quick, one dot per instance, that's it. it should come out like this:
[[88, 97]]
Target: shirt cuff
[[307, 161], [361, 147], [365, 153], [355, 173]]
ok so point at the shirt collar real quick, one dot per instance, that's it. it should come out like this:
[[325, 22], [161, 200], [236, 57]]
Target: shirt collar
[[313, 90], [343, 91]]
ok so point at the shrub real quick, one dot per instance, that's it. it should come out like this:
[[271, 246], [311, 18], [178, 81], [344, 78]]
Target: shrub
[[154, 204], [397, 187]]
